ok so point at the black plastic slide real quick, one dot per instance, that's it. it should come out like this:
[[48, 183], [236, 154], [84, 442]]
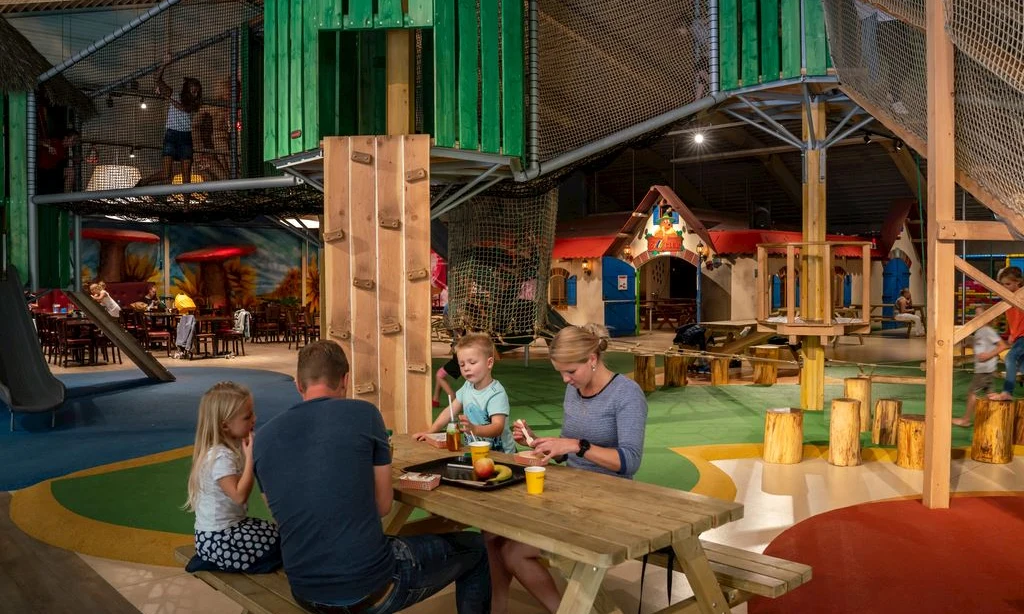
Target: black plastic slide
[[26, 384]]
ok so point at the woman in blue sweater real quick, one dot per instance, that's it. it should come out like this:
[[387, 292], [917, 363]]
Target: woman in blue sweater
[[602, 431]]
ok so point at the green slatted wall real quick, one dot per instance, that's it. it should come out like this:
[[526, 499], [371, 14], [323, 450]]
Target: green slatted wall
[[325, 71], [15, 116], [759, 41]]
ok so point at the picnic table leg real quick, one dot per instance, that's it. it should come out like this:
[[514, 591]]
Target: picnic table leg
[[603, 604], [396, 518], [581, 592], [706, 589]]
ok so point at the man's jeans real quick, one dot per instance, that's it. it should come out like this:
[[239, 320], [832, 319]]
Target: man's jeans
[[425, 564], [1013, 364]]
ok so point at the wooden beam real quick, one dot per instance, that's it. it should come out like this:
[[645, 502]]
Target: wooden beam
[[772, 162], [941, 258], [401, 110], [1016, 299], [956, 230], [907, 167], [816, 273]]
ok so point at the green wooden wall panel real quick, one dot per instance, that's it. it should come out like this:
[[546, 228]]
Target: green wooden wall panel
[[360, 14], [282, 87], [790, 38], [296, 108], [17, 175], [3, 160], [469, 65], [54, 247], [512, 57], [769, 40], [334, 17], [490, 78], [420, 15], [750, 48], [311, 20], [270, 64], [728, 37], [389, 14], [814, 31], [445, 87]]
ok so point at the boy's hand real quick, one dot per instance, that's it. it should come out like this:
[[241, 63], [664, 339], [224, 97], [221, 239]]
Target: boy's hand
[[420, 436], [465, 425]]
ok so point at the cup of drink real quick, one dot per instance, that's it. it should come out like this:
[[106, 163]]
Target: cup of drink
[[452, 438], [479, 449], [535, 480]]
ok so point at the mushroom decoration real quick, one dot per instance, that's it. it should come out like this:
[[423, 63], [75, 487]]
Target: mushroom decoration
[[213, 279], [113, 242]]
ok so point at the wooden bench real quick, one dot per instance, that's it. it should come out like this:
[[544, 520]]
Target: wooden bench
[[748, 573], [908, 323], [264, 593]]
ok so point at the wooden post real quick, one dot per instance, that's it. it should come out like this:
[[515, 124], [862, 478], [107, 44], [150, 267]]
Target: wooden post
[[883, 429], [1018, 423], [993, 432], [401, 108], [940, 260], [815, 276], [860, 388], [765, 373], [910, 442], [643, 371], [675, 370], [719, 371], [783, 436], [844, 433]]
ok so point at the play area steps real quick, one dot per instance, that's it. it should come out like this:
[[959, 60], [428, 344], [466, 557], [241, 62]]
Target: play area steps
[[120, 337]]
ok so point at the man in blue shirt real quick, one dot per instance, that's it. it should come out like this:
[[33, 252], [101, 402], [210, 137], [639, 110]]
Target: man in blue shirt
[[324, 467]]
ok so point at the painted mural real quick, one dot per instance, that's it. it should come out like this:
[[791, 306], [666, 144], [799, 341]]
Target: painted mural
[[222, 266]]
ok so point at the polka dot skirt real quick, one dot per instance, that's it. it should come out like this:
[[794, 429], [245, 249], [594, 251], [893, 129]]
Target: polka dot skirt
[[240, 546]]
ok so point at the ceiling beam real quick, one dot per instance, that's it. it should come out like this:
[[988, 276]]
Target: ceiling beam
[[908, 168], [780, 149], [771, 162]]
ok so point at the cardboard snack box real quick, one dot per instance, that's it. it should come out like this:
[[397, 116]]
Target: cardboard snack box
[[530, 458], [437, 440], [419, 481]]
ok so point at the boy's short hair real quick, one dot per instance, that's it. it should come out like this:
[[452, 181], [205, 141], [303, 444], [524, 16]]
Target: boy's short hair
[[480, 341], [1010, 273], [980, 308], [322, 361]]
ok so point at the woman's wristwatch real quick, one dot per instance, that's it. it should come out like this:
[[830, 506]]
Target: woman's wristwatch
[[584, 446]]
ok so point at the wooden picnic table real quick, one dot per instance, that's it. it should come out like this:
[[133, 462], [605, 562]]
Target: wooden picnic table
[[585, 521]]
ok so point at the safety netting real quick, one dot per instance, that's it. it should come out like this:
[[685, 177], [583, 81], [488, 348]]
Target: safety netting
[[606, 65], [879, 53], [208, 41], [499, 256]]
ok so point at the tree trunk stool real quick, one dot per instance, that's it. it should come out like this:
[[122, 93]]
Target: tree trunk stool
[[783, 436], [766, 373], [844, 433], [1018, 424], [643, 371], [860, 388], [719, 371], [910, 442], [993, 432], [675, 370], [883, 429]]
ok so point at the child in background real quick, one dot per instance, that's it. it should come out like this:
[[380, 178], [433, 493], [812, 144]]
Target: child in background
[[450, 368], [99, 294], [220, 484], [1012, 279], [481, 403], [987, 347]]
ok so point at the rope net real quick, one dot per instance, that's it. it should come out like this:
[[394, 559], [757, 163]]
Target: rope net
[[878, 50], [605, 66], [499, 255], [123, 144]]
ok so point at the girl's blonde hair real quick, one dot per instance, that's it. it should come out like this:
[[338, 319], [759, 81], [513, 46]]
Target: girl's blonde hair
[[575, 344], [220, 404]]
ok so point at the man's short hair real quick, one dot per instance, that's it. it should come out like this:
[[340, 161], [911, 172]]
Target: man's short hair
[[322, 361]]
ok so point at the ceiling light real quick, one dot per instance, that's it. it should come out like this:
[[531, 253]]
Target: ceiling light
[[898, 145], [698, 137], [142, 105]]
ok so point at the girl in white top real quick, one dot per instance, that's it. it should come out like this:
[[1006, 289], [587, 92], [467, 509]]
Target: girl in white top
[[220, 484], [100, 295], [178, 131]]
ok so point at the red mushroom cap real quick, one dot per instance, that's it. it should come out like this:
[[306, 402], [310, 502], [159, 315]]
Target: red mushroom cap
[[215, 254], [119, 235]]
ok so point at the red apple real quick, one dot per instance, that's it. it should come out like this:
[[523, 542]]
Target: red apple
[[483, 468]]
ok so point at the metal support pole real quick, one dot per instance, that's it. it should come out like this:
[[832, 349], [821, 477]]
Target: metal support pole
[[784, 133], [713, 45], [256, 183], [454, 199], [232, 133], [533, 56], [849, 131], [839, 127], [76, 248], [700, 266], [455, 202], [30, 185], [787, 137], [811, 141]]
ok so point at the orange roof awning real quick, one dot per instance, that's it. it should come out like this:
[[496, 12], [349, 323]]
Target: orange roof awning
[[582, 247]]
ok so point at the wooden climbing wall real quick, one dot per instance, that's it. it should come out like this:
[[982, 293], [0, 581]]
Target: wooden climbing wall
[[377, 270]]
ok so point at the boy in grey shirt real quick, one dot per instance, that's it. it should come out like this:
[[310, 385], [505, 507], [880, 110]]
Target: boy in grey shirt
[[987, 347]]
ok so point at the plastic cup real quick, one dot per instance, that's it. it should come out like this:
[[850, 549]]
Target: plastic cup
[[535, 480], [479, 449]]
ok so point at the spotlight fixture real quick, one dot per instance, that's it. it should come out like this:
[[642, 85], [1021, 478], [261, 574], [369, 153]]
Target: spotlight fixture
[[131, 152], [142, 105], [867, 138], [698, 137], [898, 145]]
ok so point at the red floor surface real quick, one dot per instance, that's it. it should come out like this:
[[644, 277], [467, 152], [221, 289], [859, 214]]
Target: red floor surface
[[898, 556]]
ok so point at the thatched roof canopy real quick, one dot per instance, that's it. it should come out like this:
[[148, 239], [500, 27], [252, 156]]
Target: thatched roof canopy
[[21, 65]]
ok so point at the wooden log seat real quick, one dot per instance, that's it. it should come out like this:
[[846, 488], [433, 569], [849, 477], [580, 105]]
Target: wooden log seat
[[1018, 424], [719, 371], [844, 433], [910, 442], [783, 436], [860, 388], [766, 372], [675, 370], [883, 428], [643, 371], [993, 432]]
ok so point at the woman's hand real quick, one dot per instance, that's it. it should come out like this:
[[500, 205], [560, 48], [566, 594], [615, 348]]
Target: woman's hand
[[520, 432], [555, 446], [421, 436]]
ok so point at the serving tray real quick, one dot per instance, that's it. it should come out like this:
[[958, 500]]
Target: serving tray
[[458, 471]]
